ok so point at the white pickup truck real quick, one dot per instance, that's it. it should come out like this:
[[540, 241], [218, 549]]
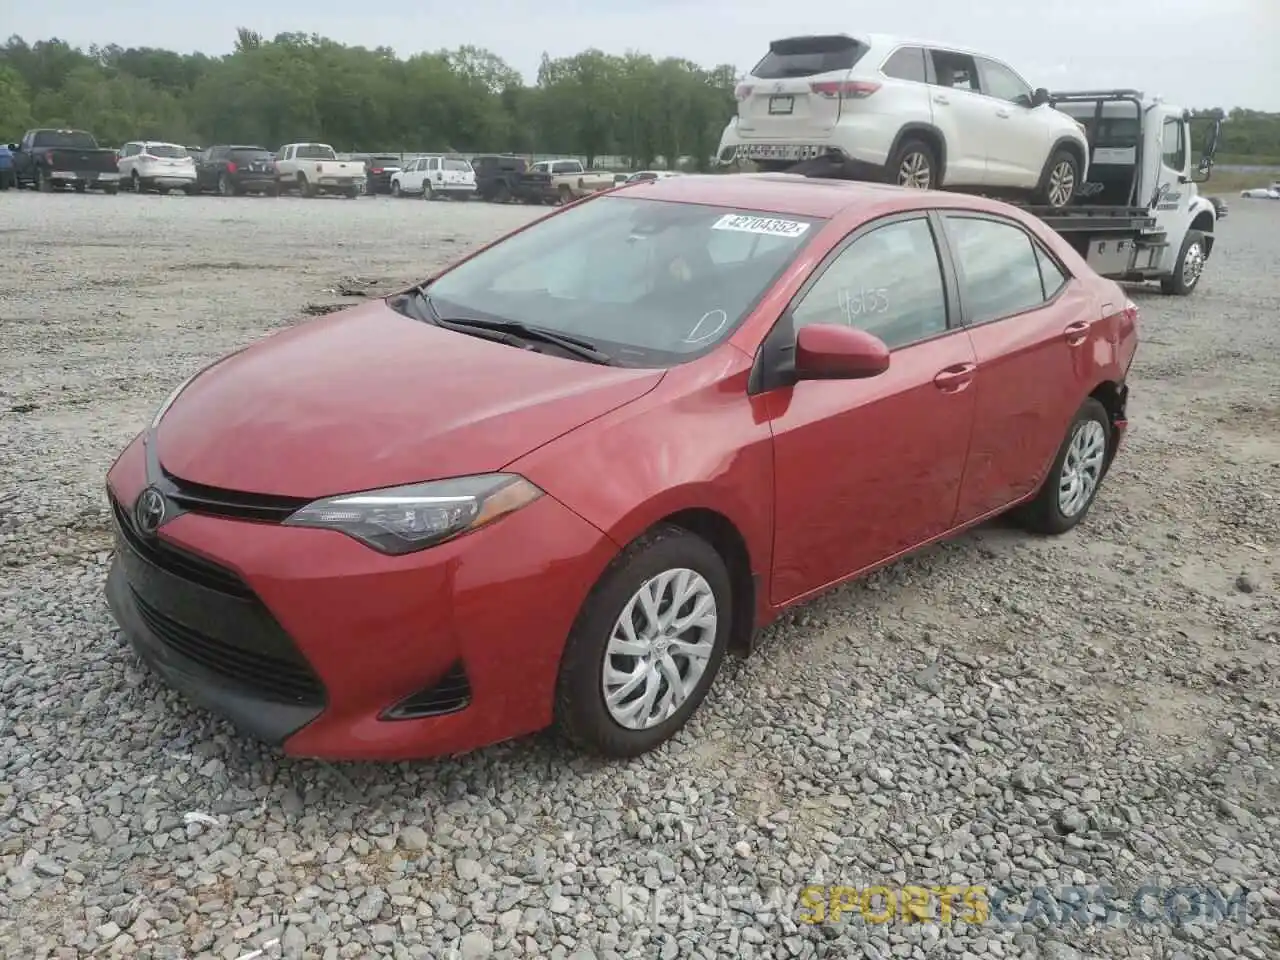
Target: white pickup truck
[[314, 168]]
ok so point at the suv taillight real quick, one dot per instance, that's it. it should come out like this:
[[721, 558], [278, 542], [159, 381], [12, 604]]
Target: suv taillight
[[231, 166], [844, 89]]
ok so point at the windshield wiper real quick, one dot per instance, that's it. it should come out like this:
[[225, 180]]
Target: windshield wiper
[[513, 329]]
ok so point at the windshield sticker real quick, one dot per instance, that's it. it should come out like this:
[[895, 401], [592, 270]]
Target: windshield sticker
[[769, 226], [712, 322]]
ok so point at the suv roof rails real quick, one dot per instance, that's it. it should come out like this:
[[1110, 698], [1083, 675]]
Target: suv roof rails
[[1084, 95]]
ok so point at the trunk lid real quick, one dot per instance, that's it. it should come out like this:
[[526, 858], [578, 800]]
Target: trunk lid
[[793, 92]]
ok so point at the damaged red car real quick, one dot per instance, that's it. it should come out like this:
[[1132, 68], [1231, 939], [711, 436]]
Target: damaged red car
[[557, 482]]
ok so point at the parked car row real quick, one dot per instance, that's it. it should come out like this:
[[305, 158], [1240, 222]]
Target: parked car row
[[48, 159]]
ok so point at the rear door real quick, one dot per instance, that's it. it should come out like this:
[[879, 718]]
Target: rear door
[[795, 92], [1033, 331], [966, 118]]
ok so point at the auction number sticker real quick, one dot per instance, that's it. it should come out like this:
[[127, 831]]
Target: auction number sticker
[[770, 226]]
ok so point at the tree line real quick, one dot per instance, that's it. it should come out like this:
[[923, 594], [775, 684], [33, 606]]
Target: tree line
[[306, 87]]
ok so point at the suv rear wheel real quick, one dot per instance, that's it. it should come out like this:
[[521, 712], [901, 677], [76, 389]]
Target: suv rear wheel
[[915, 165]]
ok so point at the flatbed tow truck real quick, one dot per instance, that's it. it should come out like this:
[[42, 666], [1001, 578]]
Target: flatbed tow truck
[[1139, 216]]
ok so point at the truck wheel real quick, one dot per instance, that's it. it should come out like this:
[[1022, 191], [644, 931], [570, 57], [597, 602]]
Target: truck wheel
[[135, 182], [1189, 267], [395, 189], [914, 165], [353, 193], [226, 188], [43, 183], [428, 192], [502, 194], [81, 187], [111, 189], [1058, 186], [564, 194], [304, 186]]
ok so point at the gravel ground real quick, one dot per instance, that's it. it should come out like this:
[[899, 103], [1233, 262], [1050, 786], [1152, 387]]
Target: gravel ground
[[1097, 709]]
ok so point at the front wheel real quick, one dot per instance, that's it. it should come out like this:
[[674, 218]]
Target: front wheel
[[1187, 271], [1058, 188], [1069, 490], [428, 193], [646, 646], [914, 165], [564, 195]]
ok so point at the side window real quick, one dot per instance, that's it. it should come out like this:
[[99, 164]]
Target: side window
[[887, 282], [1002, 83], [906, 63], [955, 70], [1175, 144], [433, 163], [1051, 275], [998, 267]]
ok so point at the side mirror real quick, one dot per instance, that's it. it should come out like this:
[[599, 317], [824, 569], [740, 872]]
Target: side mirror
[[13, 146], [832, 351], [1040, 97]]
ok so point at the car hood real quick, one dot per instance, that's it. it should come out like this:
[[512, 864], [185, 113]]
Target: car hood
[[369, 398]]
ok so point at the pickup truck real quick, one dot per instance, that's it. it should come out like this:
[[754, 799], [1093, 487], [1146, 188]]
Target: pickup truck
[[49, 159], [314, 168], [562, 181]]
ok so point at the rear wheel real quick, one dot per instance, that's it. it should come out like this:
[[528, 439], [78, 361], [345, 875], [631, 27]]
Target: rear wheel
[[1072, 484], [1190, 265], [428, 193], [304, 186], [564, 194], [915, 165]]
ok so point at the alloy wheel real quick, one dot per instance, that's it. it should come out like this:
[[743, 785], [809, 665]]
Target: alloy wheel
[[1192, 265], [1082, 467], [1062, 184], [659, 648], [915, 171]]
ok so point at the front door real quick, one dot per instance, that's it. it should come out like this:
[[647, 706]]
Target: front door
[[1032, 333], [867, 469], [1018, 147]]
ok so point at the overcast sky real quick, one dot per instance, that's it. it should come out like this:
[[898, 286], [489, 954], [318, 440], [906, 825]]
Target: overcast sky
[[1198, 53]]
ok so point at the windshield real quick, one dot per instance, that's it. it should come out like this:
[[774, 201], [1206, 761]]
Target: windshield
[[167, 150], [457, 165], [249, 155], [315, 151], [648, 282], [72, 139]]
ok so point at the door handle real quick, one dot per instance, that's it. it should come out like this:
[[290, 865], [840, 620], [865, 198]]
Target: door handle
[[939, 98], [955, 378], [1077, 332], [1002, 113]]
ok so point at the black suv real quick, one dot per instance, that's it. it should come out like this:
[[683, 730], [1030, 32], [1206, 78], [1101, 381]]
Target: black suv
[[232, 170], [498, 176]]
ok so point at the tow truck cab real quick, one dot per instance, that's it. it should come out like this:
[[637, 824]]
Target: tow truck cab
[[1140, 215]]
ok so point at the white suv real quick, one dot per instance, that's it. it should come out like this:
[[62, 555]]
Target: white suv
[[914, 113], [155, 165]]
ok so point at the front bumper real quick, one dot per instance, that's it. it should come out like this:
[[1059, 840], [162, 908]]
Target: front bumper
[[487, 614]]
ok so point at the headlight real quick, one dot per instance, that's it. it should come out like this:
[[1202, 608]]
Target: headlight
[[400, 520]]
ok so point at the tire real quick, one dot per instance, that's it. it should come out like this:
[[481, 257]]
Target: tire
[[915, 165], [226, 188], [4, 181], [305, 188], [111, 189], [81, 187], [191, 190], [135, 182], [1061, 178], [502, 194], [1187, 271], [428, 191], [581, 713], [271, 191], [395, 190], [1090, 427], [353, 193], [564, 195], [42, 183]]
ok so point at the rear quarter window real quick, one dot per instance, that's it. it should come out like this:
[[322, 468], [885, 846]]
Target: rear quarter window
[[906, 63], [807, 56]]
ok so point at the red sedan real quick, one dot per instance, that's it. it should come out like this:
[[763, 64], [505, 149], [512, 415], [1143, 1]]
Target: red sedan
[[557, 481]]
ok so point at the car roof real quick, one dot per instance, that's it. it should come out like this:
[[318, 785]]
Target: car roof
[[800, 196]]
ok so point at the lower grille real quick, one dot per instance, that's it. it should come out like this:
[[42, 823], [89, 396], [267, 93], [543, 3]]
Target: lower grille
[[449, 694], [210, 618]]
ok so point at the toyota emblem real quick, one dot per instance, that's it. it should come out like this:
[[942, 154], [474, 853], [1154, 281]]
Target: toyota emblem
[[149, 511]]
